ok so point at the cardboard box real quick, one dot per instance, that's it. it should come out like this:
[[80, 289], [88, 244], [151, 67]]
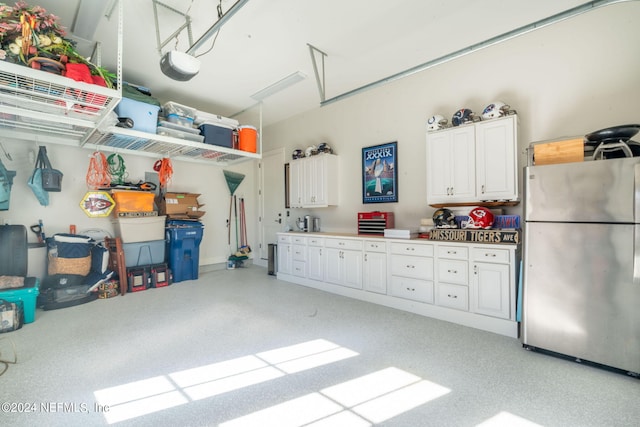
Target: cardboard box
[[561, 151], [180, 206]]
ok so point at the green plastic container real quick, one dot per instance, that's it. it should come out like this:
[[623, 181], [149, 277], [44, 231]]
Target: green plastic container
[[28, 295]]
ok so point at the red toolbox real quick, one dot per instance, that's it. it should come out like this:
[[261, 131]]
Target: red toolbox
[[374, 223]]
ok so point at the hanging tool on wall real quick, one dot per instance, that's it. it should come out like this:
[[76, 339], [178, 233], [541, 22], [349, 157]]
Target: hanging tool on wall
[[244, 248], [117, 168], [233, 179], [38, 229], [165, 171], [98, 173]]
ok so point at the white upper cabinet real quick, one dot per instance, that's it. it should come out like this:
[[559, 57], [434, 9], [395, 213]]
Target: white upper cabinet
[[496, 159], [313, 181], [451, 165], [476, 162]]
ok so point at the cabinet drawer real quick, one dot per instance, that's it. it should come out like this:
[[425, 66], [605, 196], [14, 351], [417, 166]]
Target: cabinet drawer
[[413, 289], [453, 252], [490, 255], [299, 268], [453, 271], [315, 241], [375, 246], [411, 249], [453, 296], [299, 240], [284, 239], [412, 266], [299, 253], [355, 245]]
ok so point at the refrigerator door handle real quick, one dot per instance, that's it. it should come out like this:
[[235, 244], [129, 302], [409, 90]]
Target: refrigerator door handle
[[636, 192]]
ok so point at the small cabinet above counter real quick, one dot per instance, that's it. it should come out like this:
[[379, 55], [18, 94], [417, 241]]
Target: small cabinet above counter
[[313, 181], [473, 164]]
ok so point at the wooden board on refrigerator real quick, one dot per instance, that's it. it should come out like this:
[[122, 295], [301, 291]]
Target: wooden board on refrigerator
[[562, 151]]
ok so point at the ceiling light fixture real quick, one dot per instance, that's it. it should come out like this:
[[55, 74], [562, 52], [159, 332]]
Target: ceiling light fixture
[[183, 66], [280, 85]]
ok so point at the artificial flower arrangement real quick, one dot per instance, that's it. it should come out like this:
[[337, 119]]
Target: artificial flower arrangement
[[30, 36]]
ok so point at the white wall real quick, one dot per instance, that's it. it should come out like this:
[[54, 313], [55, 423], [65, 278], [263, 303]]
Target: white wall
[[64, 208], [568, 79]]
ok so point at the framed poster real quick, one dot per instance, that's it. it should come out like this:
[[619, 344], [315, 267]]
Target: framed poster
[[380, 173]]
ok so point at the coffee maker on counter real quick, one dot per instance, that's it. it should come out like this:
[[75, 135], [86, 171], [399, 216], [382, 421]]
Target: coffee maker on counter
[[309, 224]]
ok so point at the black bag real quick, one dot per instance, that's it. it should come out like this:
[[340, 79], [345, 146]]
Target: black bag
[[51, 178], [11, 316], [64, 290]]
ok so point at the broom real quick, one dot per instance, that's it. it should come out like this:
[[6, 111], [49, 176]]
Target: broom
[[233, 180]]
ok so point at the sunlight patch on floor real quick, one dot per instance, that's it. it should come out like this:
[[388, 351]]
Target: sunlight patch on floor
[[155, 394], [506, 419], [363, 401]]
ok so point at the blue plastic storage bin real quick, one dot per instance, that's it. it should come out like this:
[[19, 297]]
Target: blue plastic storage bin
[[144, 253], [217, 134], [144, 116], [27, 295], [183, 247]]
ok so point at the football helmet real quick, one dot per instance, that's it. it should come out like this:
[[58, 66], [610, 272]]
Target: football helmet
[[311, 150], [297, 154], [462, 116], [494, 110], [480, 217], [436, 122], [324, 148], [444, 218]]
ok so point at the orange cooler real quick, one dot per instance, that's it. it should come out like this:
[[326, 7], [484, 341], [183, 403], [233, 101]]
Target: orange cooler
[[247, 138]]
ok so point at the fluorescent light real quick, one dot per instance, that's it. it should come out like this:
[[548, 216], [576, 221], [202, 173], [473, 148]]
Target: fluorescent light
[[276, 87]]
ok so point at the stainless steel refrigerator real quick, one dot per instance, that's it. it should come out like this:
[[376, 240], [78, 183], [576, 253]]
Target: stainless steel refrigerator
[[581, 276]]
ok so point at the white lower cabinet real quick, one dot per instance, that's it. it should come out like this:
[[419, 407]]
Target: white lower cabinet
[[344, 262], [284, 254], [491, 284], [299, 256], [375, 267], [467, 283], [315, 259], [412, 271], [453, 296], [453, 277]]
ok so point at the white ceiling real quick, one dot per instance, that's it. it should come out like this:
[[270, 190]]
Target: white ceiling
[[266, 40]]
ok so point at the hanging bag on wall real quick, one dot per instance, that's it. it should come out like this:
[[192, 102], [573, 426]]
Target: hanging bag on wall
[[35, 183], [6, 181], [51, 178]]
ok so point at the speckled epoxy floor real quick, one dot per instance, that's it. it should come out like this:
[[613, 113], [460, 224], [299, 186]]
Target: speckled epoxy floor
[[203, 353]]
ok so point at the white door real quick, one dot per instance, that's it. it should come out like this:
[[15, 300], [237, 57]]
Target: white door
[[272, 188]]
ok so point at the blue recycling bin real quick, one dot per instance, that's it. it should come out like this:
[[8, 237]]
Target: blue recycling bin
[[183, 248]]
